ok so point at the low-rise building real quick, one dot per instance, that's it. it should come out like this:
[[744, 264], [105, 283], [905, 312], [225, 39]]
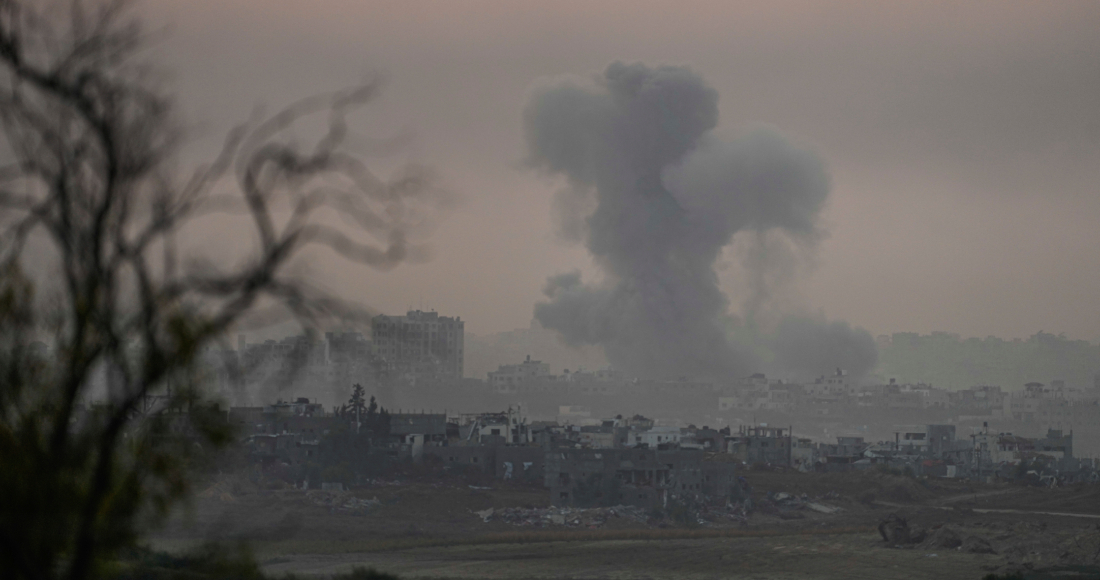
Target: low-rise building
[[502, 428], [642, 477], [761, 444], [509, 378], [930, 440], [998, 448], [431, 427], [655, 436]]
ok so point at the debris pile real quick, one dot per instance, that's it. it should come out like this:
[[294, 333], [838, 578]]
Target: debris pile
[[343, 502], [737, 512], [977, 545], [895, 530], [785, 505], [1034, 546], [944, 537], [1022, 546], [383, 483], [561, 516]]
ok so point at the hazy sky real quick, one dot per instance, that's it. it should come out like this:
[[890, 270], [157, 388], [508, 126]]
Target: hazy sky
[[963, 139]]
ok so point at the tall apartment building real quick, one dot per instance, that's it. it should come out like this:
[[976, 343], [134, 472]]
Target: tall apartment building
[[347, 347], [419, 342]]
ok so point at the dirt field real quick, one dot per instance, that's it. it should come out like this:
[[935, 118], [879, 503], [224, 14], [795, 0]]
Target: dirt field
[[824, 556], [431, 529]]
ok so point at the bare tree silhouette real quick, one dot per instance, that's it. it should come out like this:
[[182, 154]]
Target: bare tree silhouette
[[87, 174]]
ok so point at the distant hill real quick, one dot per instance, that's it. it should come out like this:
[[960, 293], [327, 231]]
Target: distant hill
[[946, 360], [486, 353]]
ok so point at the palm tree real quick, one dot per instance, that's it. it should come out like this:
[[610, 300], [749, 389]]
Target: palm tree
[[357, 403]]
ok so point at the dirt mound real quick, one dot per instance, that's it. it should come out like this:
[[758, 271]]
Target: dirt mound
[[977, 545], [944, 537], [895, 530]]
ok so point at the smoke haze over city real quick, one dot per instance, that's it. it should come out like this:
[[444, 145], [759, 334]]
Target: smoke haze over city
[[372, 290], [960, 140]]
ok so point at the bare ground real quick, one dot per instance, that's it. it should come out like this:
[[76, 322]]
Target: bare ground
[[825, 556], [429, 529]]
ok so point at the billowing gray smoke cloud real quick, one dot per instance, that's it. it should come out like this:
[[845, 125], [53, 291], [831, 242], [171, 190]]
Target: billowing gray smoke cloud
[[636, 143], [809, 345]]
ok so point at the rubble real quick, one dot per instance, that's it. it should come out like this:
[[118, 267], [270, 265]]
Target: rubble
[[1022, 546], [378, 482], [735, 512], [895, 531], [785, 505], [787, 502], [344, 502], [977, 545], [944, 537], [561, 516], [822, 508]]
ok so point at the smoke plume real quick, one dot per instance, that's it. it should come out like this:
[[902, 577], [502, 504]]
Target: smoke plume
[[809, 345], [636, 144]]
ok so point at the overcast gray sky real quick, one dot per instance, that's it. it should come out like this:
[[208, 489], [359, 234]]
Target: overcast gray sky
[[963, 138]]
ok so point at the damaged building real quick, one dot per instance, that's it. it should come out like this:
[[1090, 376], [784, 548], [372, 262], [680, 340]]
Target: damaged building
[[647, 478]]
